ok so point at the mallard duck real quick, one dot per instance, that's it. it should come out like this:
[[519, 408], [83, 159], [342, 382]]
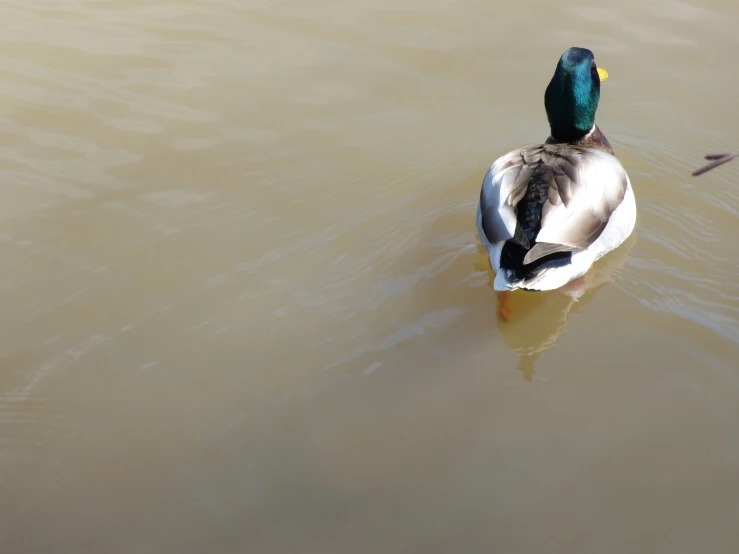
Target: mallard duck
[[548, 211]]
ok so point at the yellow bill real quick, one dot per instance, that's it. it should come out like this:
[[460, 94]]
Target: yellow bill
[[602, 73]]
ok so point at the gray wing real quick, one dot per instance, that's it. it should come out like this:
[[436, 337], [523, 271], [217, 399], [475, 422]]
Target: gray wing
[[585, 186], [503, 187]]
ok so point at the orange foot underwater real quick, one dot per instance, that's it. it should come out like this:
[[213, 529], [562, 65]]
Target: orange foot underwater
[[504, 305]]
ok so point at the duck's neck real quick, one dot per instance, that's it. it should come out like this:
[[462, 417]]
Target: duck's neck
[[592, 139]]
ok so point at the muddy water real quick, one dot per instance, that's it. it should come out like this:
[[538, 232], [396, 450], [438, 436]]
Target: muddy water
[[243, 303]]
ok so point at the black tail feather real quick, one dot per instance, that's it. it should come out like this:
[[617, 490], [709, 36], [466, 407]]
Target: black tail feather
[[512, 256]]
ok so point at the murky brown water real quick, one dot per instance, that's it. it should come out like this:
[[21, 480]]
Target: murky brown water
[[242, 304]]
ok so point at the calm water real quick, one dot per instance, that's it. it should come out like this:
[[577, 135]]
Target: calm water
[[244, 308]]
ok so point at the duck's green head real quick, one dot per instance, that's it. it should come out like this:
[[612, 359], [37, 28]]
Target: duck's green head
[[572, 96]]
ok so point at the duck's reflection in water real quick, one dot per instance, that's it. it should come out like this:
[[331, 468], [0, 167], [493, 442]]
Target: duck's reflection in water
[[535, 320]]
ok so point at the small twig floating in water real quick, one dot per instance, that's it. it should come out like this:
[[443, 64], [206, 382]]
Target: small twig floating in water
[[718, 159]]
